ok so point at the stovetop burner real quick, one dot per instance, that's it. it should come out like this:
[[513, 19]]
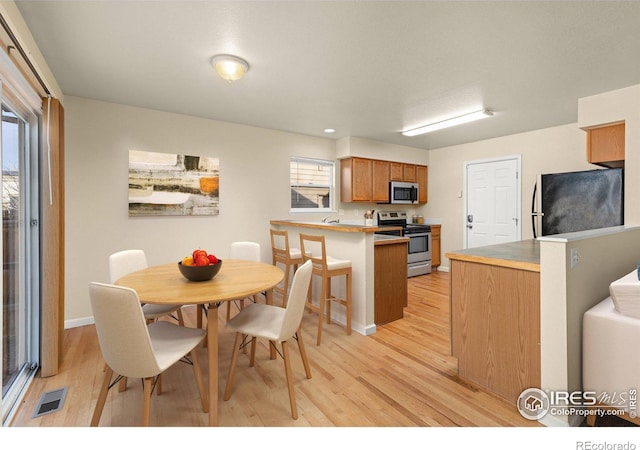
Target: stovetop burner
[[399, 219]]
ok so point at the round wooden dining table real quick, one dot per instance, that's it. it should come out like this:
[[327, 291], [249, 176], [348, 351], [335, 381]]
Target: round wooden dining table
[[237, 279]]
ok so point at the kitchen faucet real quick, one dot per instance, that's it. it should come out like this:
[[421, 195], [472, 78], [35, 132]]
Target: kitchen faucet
[[324, 220]]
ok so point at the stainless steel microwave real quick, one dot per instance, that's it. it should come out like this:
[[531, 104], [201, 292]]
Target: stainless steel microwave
[[402, 192]]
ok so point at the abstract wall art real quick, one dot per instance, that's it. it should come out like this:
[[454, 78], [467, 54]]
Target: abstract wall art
[[168, 184]]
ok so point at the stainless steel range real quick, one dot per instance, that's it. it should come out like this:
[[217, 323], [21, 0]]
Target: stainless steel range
[[419, 248]]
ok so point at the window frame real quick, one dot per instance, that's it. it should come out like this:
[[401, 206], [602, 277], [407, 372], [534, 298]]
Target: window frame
[[18, 96], [331, 185]]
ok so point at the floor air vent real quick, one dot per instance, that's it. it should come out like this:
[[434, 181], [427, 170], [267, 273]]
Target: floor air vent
[[51, 401]]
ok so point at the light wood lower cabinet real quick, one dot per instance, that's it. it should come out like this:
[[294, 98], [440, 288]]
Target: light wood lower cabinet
[[390, 282], [495, 326]]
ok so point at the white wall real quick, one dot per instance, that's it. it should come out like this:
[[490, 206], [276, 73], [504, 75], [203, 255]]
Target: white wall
[[254, 183], [254, 187], [566, 293], [557, 149], [616, 106], [366, 148]]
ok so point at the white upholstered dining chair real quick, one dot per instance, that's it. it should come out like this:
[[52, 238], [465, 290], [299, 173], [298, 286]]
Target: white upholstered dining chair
[[275, 324], [133, 348], [126, 261]]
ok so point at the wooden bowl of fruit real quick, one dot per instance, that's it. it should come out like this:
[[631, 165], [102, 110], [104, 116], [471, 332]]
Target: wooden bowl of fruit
[[200, 266]]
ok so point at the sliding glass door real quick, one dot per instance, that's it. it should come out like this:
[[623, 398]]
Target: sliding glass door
[[19, 253]]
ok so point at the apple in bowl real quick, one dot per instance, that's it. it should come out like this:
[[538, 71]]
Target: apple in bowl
[[200, 266]]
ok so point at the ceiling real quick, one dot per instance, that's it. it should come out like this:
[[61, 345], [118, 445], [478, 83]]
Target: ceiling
[[366, 68]]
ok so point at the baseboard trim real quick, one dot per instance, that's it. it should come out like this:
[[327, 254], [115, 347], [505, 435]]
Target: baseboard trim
[[81, 322]]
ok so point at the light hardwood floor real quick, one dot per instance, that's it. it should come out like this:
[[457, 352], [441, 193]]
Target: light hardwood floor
[[401, 376]]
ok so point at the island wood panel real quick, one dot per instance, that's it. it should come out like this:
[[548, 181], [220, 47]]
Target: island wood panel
[[495, 326], [390, 281]]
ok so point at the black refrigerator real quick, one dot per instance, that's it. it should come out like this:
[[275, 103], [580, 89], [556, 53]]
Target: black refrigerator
[[577, 201]]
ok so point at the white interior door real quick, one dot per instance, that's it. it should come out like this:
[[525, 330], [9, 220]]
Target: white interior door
[[492, 209]]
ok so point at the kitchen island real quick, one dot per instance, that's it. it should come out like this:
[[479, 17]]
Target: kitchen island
[[358, 243], [495, 316]]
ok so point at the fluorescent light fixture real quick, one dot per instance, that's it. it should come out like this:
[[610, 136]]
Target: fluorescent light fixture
[[229, 67], [470, 117], [329, 130]]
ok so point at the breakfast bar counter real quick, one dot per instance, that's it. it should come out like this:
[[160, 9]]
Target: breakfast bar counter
[[356, 243], [332, 226]]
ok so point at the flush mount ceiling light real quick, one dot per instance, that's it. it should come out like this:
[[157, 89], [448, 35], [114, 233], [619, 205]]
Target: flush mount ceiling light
[[229, 67], [470, 117]]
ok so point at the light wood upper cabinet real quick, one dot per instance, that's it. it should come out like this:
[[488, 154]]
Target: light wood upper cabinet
[[395, 171], [409, 173], [367, 180], [381, 181], [422, 176], [605, 145], [356, 176], [435, 246]]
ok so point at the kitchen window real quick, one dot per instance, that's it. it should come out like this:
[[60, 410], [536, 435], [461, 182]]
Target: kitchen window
[[312, 185]]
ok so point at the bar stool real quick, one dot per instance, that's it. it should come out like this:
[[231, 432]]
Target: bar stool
[[326, 267], [287, 256]]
